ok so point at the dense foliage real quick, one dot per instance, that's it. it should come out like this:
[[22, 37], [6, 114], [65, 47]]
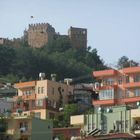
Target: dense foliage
[[64, 119], [59, 57], [125, 62]]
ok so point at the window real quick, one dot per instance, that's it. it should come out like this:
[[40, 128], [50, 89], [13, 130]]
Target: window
[[39, 102], [38, 115], [49, 102], [120, 94], [109, 81], [137, 92], [28, 92], [106, 94], [127, 79], [33, 104], [20, 125], [120, 80], [38, 90], [42, 89], [127, 93], [137, 78], [23, 124]]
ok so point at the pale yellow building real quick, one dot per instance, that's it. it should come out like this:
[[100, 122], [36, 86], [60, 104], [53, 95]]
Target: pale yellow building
[[43, 97], [25, 127]]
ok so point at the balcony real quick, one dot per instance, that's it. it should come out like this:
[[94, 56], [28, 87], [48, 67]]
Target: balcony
[[29, 97], [131, 70], [131, 99], [132, 85], [25, 85], [24, 132], [26, 97], [104, 73], [107, 87], [104, 102]]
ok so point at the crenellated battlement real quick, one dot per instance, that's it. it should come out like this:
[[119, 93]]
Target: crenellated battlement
[[39, 26], [40, 34]]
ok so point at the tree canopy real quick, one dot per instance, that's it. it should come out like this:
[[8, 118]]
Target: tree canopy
[[125, 62], [59, 57]]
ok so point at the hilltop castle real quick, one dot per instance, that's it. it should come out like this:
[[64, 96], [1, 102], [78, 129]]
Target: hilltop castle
[[40, 34]]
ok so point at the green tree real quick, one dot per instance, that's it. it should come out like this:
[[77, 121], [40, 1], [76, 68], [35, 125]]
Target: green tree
[[60, 44], [124, 62], [22, 62], [7, 56], [69, 110]]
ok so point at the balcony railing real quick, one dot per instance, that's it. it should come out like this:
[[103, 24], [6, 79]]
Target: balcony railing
[[27, 106], [107, 86], [131, 99], [26, 97], [104, 102], [132, 85], [24, 131], [29, 97]]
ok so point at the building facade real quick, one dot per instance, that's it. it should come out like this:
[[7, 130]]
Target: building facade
[[24, 127], [120, 120], [43, 97], [117, 87], [5, 106], [83, 95], [78, 37]]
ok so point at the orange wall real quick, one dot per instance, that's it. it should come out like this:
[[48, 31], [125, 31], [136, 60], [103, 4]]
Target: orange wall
[[116, 74]]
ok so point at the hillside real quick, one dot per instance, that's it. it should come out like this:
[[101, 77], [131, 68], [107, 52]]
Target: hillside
[[60, 57]]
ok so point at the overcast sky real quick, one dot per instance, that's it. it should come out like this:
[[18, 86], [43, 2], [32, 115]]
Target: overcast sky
[[113, 25]]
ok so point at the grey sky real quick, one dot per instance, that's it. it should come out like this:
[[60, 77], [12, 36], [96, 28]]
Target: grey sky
[[113, 25]]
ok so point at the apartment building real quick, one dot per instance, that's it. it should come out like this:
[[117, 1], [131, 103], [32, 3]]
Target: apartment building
[[25, 127], [43, 97], [104, 123], [83, 95], [117, 87], [5, 105]]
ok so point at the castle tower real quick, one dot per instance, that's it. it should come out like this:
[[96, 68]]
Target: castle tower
[[40, 34], [78, 37]]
